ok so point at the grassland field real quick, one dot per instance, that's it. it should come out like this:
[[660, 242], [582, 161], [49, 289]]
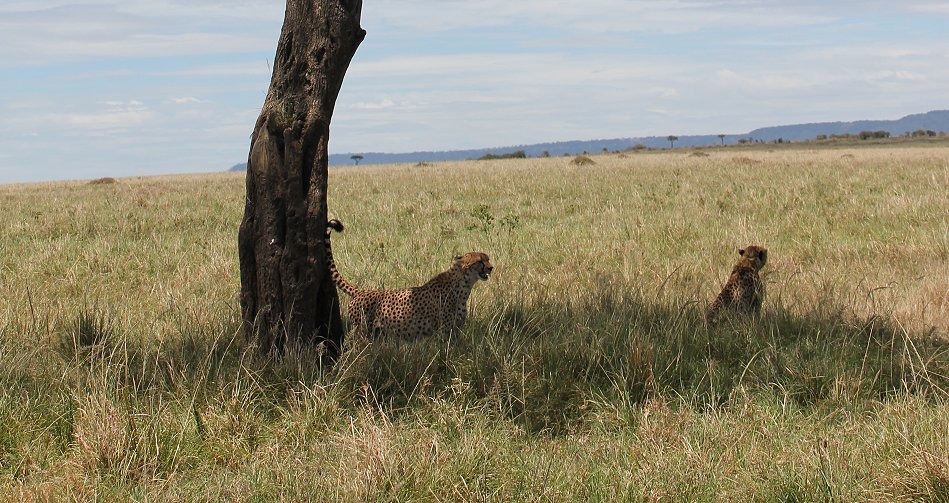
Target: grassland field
[[585, 372]]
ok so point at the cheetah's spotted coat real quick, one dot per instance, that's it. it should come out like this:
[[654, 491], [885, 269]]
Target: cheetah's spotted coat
[[441, 304], [744, 291]]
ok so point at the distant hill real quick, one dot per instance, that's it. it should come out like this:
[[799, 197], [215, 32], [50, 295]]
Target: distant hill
[[934, 121]]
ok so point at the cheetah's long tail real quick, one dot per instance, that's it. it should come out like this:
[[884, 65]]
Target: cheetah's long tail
[[345, 286]]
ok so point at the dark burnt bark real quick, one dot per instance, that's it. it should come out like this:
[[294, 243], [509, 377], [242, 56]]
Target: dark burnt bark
[[287, 295]]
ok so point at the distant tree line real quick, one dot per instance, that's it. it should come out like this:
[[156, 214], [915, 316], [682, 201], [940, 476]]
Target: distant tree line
[[672, 139], [517, 154], [879, 135], [863, 135]]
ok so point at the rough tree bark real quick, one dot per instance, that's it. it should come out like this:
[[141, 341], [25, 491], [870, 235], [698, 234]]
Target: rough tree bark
[[287, 295]]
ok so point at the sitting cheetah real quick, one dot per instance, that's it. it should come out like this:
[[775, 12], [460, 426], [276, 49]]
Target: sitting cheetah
[[439, 305], [744, 290]]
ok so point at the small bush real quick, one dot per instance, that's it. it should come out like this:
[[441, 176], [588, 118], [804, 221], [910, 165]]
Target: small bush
[[91, 328], [517, 154]]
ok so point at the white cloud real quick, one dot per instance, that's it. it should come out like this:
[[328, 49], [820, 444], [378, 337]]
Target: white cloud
[[929, 8], [106, 120], [877, 50], [188, 100], [895, 75], [764, 82], [117, 115], [260, 10], [147, 45], [381, 105], [664, 92], [118, 105], [491, 69], [598, 16], [259, 69], [67, 31]]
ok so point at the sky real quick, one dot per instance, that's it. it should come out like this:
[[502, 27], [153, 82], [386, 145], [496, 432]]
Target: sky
[[94, 88]]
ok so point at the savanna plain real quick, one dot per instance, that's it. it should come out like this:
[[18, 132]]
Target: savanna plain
[[585, 372]]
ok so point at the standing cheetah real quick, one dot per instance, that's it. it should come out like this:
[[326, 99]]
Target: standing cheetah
[[439, 305], [744, 290]]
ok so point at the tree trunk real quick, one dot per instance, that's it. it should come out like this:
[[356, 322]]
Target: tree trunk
[[287, 294]]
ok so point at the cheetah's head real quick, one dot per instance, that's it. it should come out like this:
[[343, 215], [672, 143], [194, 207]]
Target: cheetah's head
[[757, 255], [474, 263]]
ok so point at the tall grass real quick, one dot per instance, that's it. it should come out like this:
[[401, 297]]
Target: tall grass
[[585, 371]]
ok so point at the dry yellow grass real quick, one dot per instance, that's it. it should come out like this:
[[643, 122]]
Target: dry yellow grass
[[585, 372]]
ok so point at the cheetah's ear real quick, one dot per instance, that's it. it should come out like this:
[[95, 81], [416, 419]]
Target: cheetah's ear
[[763, 256], [741, 251], [457, 257]]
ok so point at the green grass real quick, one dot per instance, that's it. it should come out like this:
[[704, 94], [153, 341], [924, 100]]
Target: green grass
[[585, 372]]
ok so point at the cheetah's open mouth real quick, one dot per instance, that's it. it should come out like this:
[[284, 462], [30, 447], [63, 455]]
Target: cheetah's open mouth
[[484, 275]]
